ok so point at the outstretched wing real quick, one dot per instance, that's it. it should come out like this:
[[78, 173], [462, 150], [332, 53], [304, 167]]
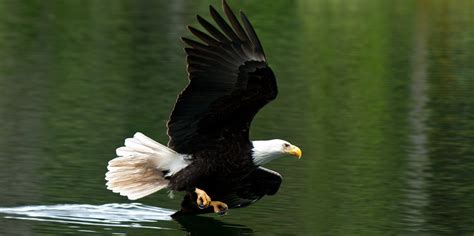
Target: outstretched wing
[[260, 182], [229, 82]]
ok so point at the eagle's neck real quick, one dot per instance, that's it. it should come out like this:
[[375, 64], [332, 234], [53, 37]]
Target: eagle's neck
[[265, 151]]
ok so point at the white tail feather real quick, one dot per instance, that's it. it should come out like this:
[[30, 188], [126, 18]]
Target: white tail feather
[[137, 171]]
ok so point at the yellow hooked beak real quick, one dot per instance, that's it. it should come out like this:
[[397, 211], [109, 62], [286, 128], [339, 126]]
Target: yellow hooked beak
[[294, 151]]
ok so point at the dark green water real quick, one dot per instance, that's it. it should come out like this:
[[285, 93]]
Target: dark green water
[[378, 94]]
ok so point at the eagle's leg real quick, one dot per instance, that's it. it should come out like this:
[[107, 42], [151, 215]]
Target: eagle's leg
[[219, 207], [203, 200]]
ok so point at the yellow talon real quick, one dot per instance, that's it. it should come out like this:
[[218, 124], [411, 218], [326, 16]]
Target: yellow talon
[[203, 200], [219, 207]]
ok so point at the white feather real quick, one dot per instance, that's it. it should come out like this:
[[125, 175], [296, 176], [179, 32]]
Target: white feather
[[265, 151], [137, 171]]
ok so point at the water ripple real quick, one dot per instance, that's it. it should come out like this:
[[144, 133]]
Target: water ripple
[[115, 215]]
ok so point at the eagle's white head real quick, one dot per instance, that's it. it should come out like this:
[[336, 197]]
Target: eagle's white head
[[265, 151]]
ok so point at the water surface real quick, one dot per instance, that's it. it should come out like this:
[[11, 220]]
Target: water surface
[[378, 94]]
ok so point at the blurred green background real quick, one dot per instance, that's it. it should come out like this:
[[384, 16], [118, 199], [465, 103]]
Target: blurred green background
[[378, 94]]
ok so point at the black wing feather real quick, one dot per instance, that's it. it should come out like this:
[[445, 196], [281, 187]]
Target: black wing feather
[[194, 44], [204, 37], [260, 182], [212, 30], [234, 22], [223, 24], [251, 33], [229, 82]]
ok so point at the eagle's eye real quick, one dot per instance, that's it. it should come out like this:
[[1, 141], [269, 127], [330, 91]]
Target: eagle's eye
[[286, 145]]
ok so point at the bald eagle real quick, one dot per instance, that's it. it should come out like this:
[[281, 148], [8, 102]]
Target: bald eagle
[[210, 156]]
